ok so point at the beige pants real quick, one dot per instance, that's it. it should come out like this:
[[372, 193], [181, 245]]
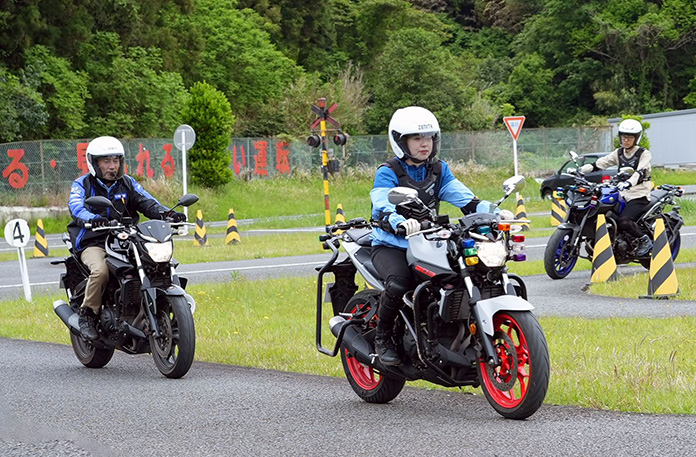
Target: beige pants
[[95, 259]]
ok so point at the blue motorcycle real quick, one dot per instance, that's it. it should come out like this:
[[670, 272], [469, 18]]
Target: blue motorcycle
[[585, 200]]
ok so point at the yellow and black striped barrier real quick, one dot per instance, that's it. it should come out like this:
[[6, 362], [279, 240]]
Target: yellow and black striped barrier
[[559, 211], [521, 212], [663, 278], [40, 244], [232, 231], [603, 261], [200, 238], [340, 217]]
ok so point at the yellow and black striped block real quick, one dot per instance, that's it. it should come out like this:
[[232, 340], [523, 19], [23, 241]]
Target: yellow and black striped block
[[199, 237], [663, 278], [232, 231], [559, 211], [40, 244], [521, 212], [603, 261]]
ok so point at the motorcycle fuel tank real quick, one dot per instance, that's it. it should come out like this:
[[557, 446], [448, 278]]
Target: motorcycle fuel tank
[[428, 257]]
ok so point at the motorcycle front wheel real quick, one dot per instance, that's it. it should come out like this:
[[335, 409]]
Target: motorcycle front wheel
[[559, 259], [517, 387], [369, 385], [88, 355], [173, 351]]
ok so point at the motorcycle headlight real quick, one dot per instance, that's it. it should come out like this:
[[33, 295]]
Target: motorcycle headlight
[[492, 253], [160, 252]]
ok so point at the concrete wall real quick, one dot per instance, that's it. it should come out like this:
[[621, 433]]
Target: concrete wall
[[671, 137]]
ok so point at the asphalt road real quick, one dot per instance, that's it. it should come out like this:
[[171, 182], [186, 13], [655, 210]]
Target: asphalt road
[[52, 406]]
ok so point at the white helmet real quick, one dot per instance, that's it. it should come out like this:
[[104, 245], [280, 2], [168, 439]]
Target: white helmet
[[631, 127], [105, 146], [412, 120]]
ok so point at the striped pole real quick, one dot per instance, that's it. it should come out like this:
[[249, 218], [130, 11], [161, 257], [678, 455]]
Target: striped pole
[[663, 278], [200, 238], [232, 231], [521, 212], [603, 261], [559, 211], [40, 244]]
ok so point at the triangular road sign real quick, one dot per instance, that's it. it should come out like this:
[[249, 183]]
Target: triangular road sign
[[514, 125]]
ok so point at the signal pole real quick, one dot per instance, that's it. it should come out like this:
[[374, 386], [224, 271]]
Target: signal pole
[[315, 141]]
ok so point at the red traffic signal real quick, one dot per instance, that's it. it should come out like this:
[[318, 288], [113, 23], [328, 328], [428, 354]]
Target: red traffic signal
[[314, 141], [341, 139]]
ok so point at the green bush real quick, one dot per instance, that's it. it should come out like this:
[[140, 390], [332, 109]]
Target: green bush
[[210, 115]]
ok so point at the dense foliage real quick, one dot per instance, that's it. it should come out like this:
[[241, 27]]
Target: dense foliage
[[80, 68]]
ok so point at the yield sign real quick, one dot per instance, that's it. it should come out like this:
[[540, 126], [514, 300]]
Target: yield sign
[[514, 125]]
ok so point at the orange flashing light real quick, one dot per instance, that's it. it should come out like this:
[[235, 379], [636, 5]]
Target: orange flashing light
[[504, 226]]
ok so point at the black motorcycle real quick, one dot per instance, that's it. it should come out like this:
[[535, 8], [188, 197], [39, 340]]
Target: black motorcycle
[[467, 323], [145, 308], [586, 200]]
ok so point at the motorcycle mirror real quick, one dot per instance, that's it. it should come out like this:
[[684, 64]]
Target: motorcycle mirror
[[99, 202], [514, 183], [402, 194], [574, 156], [188, 200], [627, 171]]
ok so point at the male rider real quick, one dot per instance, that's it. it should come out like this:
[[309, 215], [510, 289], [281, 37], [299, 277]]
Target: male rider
[[106, 163]]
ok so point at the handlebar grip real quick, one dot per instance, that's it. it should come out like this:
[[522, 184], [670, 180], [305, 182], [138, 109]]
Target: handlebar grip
[[401, 231]]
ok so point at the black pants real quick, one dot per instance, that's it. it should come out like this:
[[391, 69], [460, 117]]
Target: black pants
[[630, 214], [392, 266]]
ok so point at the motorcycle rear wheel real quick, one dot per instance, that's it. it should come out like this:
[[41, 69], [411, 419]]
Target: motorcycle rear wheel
[[173, 352], [558, 260], [88, 355], [365, 382], [517, 387]]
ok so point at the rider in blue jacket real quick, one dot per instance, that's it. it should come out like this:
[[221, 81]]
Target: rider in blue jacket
[[414, 136]]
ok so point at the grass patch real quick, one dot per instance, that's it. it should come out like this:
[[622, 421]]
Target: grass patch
[[639, 364], [632, 286]]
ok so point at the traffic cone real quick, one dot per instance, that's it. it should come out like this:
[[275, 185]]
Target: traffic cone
[[339, 214], [521, 212], [663, 278], [40, 244], [232, 231], [200, 238], [559, 211], [603, 261]]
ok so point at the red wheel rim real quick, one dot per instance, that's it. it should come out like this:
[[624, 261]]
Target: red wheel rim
[[363, 375], [508, 368]]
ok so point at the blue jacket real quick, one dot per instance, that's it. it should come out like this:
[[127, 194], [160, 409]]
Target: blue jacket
[[451, 190], [125, 193]]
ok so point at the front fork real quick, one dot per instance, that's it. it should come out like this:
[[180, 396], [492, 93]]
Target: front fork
[[149, 294]]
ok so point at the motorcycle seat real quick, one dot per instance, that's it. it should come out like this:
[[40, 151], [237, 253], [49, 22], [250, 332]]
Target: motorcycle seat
[[360, 236], [656, 195]]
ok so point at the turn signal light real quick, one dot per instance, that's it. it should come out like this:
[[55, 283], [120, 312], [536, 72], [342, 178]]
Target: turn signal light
[[472, 329], [504, 226]]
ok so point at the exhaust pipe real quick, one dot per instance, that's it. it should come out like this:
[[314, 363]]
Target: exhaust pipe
[[353, 340], [67, 315]]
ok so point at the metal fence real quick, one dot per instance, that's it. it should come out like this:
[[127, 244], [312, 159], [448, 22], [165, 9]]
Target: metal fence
[[39, 167]]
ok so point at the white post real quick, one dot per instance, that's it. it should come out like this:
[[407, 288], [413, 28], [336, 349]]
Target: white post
[[514, 155], [183, 166], [24, 271]]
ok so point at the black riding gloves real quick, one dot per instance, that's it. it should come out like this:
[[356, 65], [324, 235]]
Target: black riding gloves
[[176, 217], [99, 221]]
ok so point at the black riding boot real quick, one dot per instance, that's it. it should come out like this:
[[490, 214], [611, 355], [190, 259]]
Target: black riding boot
[[644, 246], [86, 322], [384, 336]]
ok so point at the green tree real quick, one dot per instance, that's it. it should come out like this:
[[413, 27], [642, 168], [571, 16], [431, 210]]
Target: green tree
[[210, 115], [240, 61], [63, 90], [130, 94], [22, 111], [415, 69]]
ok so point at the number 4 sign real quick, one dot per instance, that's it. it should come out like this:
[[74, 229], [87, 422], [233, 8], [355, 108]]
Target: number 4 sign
[[17, 234], [514, 125]]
